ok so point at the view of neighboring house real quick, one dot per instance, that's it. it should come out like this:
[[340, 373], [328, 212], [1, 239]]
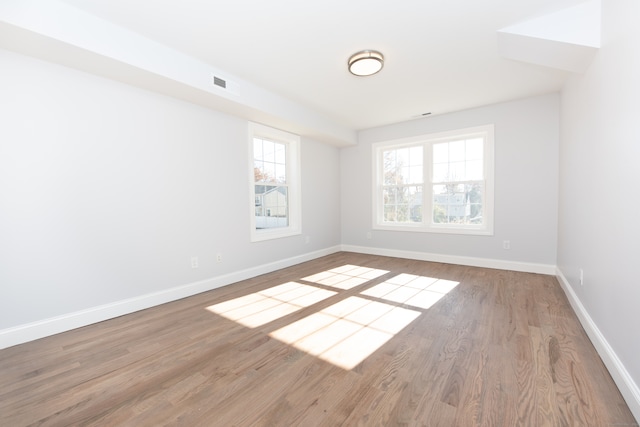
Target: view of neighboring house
[[271, 206], [455, 206], [449, 208]]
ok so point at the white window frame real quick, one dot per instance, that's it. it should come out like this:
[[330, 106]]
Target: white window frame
[[427, 141], [292, 143]]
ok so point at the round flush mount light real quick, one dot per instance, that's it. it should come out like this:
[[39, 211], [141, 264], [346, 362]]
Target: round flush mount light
[[366, 63]]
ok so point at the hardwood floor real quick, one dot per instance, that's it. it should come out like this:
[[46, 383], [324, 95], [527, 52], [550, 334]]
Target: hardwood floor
[[398, 342]]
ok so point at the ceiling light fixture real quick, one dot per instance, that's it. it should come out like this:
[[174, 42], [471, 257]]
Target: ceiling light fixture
[[366, 63]]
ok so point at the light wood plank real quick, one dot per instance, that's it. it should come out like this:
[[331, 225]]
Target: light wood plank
[[499, 348]]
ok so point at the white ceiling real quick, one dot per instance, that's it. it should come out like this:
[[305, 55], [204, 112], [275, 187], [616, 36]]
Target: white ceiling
[[441, 55]]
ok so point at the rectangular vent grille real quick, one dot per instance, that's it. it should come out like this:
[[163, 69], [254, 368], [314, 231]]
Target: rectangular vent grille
[[219, 82]]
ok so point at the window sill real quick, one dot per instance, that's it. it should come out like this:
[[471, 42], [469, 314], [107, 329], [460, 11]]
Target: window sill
[[473, 231], [263, 235]]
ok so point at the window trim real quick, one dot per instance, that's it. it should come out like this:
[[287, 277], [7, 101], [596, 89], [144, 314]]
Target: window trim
[[292, 141], [427, 140]]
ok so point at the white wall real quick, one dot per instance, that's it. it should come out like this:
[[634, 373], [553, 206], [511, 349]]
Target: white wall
[[526, 177], [107, 191], [599, 228]]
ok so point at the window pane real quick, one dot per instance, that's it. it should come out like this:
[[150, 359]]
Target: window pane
[[404, 175], [390, 167], [269, 172], [403, 166], [456, 171], [258, 171], [272, 209], [392, 195], [441, 153], [269, 161], [280, 153], [458, 160], [280, 173], [476, 197], [402, 157], [415, 204], [389, 213], [440, 207], [440, 172], [415, 175], [451, 205], [260, 190], [390, 178], [475, 149], [474, 170], [268, 154], [389, 160], [257, 148], [439, 213], [439, 189], [458, 204], [456, 151], [415, 154], [403, 203]]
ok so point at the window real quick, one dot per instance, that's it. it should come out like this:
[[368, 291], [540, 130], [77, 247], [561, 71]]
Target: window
[[436, 183], [275, 183]]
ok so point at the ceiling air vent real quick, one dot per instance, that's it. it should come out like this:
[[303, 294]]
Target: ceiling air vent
[[219, 82], [221, 86]]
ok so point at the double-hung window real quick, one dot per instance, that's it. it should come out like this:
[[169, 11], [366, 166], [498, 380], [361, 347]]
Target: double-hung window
[[435, 183], [275, 182]]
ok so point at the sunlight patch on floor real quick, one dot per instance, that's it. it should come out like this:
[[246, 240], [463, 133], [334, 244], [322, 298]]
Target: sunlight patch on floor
[[345, 277], [262, 307], [347, 332], [417, 291]]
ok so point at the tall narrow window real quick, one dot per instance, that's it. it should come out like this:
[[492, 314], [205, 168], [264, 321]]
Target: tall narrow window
[[402, 186], [275, 195], [458, 181], [439, 182], [270, 183]]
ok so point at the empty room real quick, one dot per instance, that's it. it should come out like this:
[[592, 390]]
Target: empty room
[[280, 213]]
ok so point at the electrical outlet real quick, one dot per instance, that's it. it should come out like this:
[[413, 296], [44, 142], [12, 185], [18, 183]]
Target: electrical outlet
[[307, 239], [581, 277], [194, 262], [506, 244], [369, 235], [219, 258]]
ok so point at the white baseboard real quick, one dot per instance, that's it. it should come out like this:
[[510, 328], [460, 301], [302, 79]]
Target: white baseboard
[[526, 267], [55, 325], [619, 373]]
